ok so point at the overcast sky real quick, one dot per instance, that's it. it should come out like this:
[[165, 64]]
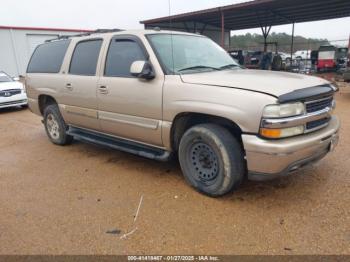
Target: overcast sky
[[126, 14]]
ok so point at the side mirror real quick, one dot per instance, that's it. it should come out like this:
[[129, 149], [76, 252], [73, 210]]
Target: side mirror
[[142, 69]]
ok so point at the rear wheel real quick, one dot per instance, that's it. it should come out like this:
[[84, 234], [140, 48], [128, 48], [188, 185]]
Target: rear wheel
[[55, 126], [211, 159]]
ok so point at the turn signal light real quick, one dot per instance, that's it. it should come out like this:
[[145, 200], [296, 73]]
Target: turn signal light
[[283, 132], [270, 133]]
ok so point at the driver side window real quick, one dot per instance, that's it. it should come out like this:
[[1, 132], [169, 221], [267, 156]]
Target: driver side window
[[121, 54]]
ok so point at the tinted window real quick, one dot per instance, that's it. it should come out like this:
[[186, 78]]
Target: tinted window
[[121, 54], [85, 56], [48, 57]]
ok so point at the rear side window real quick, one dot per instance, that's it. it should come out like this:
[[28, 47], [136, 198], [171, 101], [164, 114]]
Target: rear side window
[[48, 57], [121, 54], [85, 56]]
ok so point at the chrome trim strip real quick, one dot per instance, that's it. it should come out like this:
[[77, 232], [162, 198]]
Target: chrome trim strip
[[318, 100], [316, 128], [296, 120]]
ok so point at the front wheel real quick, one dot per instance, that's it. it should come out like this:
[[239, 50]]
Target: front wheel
[[55, 126], [211, 159]]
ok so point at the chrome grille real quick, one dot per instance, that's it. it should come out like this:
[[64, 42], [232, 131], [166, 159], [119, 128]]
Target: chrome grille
[[317, 123], [314, 106], [318, 105]]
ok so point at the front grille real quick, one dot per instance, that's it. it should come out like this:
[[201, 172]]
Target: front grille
[[318, 105], [10, 92], [317, 123]]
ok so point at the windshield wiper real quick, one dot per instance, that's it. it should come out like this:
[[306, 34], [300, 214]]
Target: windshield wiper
[[198, 67], [228, 66]]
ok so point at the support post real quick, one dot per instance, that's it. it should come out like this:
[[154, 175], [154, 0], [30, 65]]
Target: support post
[[222, 30], [265, 31], [292, 46]]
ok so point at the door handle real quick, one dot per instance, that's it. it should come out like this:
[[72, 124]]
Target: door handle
[[103, 89], [69, 86]]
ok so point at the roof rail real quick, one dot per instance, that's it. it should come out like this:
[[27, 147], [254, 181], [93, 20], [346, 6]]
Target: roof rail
[[97, 31]]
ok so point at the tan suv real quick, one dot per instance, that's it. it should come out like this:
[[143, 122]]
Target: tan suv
[[158, 94]]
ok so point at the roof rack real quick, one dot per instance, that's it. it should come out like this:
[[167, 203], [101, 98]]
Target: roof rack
[[97, 31]]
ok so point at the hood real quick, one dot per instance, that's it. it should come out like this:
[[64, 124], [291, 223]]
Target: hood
[[10, 85], [270, 82]]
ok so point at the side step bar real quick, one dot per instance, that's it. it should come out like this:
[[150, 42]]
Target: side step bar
[[119, 144]]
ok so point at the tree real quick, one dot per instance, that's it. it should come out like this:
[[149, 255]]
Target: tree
[[256, 42]]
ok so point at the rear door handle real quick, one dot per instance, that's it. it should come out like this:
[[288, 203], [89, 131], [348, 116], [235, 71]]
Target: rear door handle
[[103, 89], [69, 86]]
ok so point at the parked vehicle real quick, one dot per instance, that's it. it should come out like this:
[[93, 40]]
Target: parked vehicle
[[238, 55], [326, 58], [285, 57], [264, 60], [254, 59], [12, 93], [158, 93], [341, 58], [302, 54]]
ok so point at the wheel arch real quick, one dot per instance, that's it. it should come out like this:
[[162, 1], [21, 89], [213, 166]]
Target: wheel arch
[[185, 120], [44, 101]]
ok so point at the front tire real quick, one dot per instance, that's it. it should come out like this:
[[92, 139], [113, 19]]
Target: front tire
[[211, 159], [55, 126]]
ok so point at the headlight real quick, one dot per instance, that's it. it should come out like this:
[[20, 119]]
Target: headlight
[[284, 110], [282, 132]]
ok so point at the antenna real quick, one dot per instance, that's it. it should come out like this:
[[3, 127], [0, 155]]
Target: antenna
[[171, 36]]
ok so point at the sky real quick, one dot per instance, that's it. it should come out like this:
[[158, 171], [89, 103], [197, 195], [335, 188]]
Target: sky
[[126, 14]]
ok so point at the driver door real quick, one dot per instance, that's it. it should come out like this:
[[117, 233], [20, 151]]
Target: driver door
[[129, 107]]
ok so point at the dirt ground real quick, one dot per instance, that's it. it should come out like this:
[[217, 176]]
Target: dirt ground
[[83, 199]]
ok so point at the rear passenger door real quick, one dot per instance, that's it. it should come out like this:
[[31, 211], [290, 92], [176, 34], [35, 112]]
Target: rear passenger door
[[79, 91], [129, 107]]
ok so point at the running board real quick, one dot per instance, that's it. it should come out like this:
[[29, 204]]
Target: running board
[[119, 144]]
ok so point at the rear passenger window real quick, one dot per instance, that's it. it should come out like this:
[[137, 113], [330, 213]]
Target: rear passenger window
[[48, 57], [121, 54], [84, 58]]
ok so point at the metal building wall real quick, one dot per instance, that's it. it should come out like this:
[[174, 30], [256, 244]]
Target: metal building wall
[[17, 45]]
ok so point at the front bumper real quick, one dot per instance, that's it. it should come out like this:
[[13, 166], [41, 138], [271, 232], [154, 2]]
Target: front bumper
[[15, 100], [268, 159]]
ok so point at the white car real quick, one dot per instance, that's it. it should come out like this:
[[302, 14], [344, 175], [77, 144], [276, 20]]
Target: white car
[[302, 54], [12, 93], [284, 56]]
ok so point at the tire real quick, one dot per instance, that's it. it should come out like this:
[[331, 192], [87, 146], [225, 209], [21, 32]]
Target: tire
[[277, 63], [211, 159], [56, 128]]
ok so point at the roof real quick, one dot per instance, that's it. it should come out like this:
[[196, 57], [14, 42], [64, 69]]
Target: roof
[[114, 32], [44, 29], [259, 13]]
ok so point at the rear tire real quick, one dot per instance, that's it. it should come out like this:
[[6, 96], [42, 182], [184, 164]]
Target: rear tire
[[56, 128], [211, 159]]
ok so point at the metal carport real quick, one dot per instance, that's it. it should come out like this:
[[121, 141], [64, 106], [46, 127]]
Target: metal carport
[[253, 14]]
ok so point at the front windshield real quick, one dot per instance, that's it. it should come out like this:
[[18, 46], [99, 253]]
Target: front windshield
[[181, 54], [5, 78]]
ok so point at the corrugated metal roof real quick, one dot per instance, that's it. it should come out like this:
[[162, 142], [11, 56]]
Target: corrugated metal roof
[[262, 13]]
